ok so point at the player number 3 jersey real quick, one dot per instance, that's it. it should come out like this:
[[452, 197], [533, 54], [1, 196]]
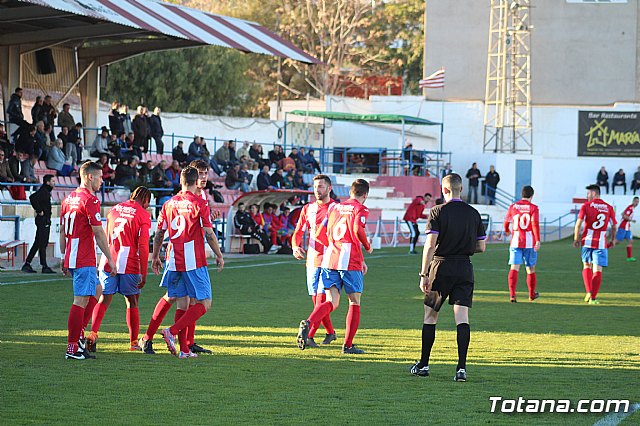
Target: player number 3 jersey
[[184, 216], [597, 216], [80, 211]]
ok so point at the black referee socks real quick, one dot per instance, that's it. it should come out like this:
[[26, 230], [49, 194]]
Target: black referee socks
[[428, 337], [464, 336]]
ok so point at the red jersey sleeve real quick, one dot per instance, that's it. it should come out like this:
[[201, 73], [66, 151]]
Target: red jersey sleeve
[[583, 211], [301, 227], [92, 208], [205, 214], [360, 224], [162, 219], [507, 219], [612, 215], [535, 225], [143, 245]]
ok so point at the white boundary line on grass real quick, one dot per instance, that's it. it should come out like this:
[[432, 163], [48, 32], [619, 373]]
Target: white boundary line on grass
[[211, 267], [614, 419]]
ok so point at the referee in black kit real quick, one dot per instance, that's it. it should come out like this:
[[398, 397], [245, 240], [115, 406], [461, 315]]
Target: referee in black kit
[[454, 232]]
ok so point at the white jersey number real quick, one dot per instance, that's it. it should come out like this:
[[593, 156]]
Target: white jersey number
[[340, 229], [522, 221], [178, 224], [69, 220], [600, 221], [120, 222]]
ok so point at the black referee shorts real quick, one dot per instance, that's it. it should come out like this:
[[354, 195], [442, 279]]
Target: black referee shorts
[[453, 279]]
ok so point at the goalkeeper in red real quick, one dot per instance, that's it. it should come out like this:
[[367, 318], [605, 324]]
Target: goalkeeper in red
[[523, 223], [596, 216], [343, 264]]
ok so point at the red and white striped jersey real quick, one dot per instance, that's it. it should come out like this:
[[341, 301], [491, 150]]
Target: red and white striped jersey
[[128, 227], [597, 216], [311, 218], [80, 211], [185, 216], [345, 233], [524, 216], [626, 224]]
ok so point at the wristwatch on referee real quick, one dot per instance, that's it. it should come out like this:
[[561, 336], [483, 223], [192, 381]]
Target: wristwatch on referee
[[421, 275]]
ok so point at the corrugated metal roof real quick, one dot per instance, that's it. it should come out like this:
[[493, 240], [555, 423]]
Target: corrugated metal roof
[[182, 23]]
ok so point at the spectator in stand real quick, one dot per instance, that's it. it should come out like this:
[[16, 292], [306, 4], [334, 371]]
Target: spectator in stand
[[473, 174], [65, 119], [14, 113], [288, 180], [619, 179], [37, 110], [232, 153], [275, 155], [22, 168], [414, 212], [196, 150], [446, 171], [173, 174], [243, 151], [40, 149], [635, 183], [222, 156], [277, 179], [296, 158], [101, 144], [127, 173], [131, 145], [412, 158], [64, 136], [27, 141], [5, 171], [5, 145], [108, 173], [115, 147], [157, 132], [50, 113], [127, 126], [256, 154], [159, 179], [178, 154], [603, 178], [115, 120], [144, 177], [247, 226], [234, 181], [491, 181], [298, 181], [310, 163], [244, 173], [57, 160], [264, 180], [140, 129], [75, 138]]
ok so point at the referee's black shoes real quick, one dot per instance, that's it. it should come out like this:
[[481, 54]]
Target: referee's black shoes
[[461, 375], [419, 369]]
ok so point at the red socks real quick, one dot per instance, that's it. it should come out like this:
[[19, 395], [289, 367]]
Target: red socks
[[353, 320], [156, 319], [513, 282], [182, 334], [314, 327], [97, 317], [595, 284], [532, 280], [321, 310], [587, 276], [88, 311], [326, 321], [629, 252], [191, 334], [74, 325], [133, 322], [191, 316]]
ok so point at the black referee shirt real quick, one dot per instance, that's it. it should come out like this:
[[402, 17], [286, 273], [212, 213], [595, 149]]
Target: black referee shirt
[[458, 226]]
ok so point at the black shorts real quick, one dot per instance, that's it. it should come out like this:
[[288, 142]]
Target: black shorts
[[452, 279]]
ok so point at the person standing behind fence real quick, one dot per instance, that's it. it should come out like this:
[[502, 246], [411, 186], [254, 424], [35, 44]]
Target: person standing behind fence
[[473, 174], [491, 181], [454, 233], [41, 203], [157, 132], [414, 212]]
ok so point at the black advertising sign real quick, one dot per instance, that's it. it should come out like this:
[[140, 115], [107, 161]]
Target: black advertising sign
[[608, 134]]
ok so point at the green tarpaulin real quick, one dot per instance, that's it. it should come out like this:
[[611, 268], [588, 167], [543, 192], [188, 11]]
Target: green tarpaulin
[[376, 118]]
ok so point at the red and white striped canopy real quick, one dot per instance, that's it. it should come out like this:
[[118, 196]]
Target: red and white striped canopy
[[183, 23]]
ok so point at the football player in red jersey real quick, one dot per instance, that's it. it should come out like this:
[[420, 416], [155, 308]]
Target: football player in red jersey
[[624, 232], [524, 218], [80, 222], [343, 264], [596, 216], [311, 217], [128, 225], [186, 216]]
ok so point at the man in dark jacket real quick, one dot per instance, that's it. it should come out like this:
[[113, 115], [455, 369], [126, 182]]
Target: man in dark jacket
[[41, 203], [264, 180], [473, 174], [140, 130], [491, 181], [178, 154], [27, 140], [603, 178], [156, 130], [115, 119], [14, 112], [277, 179]]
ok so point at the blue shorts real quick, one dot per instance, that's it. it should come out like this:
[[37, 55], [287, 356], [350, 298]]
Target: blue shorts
[[623, 235], [598, 257], [314, 281], [85, 281], [195, 283], [519, 255], [125, 284], [352, 281]]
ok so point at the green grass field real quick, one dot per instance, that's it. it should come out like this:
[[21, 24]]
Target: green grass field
[[556, 347]]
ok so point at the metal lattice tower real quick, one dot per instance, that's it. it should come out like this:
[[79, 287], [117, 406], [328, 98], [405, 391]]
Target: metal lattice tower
[[507, 107]]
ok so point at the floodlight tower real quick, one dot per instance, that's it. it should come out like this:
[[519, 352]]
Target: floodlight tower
[[507, 106]]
